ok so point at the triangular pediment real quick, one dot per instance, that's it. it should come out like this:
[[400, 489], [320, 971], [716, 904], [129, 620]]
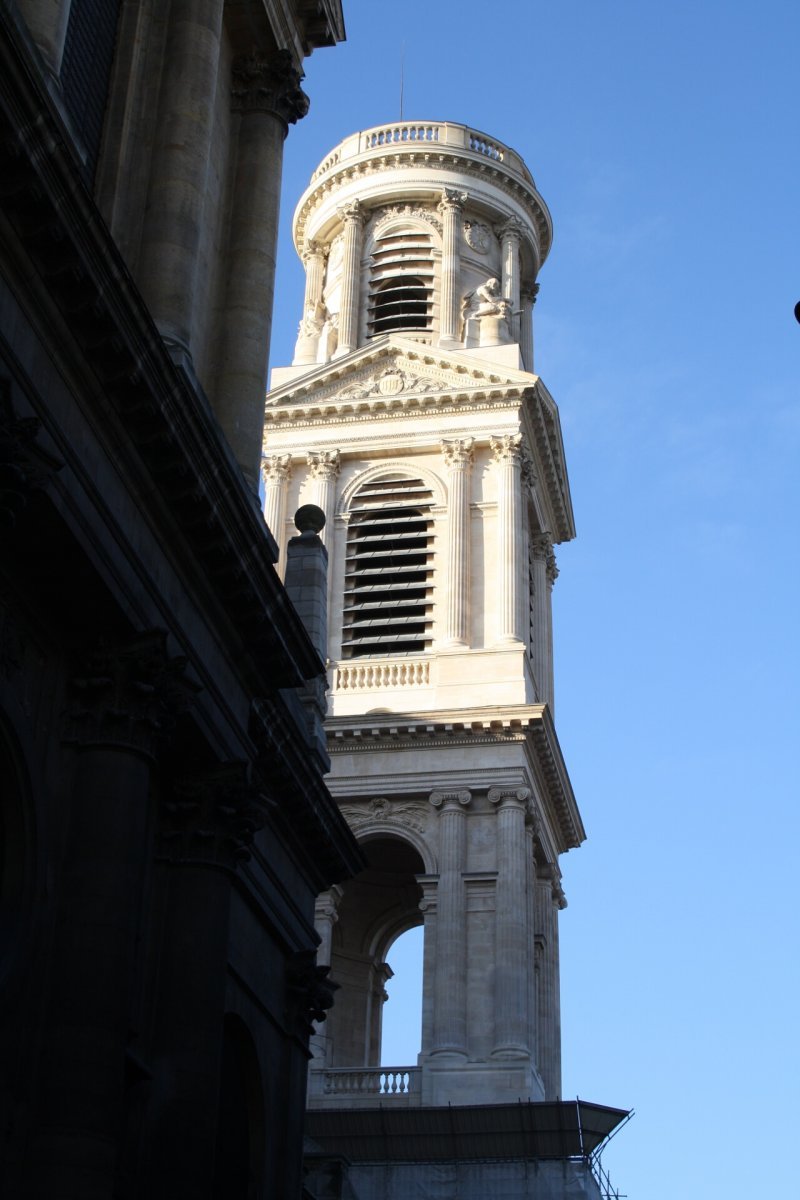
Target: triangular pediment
[[392, 372]]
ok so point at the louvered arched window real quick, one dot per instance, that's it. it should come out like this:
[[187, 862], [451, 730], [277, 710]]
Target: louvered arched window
[[401, 283], [388, 601]]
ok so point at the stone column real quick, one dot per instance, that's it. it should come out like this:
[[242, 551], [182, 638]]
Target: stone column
[[268, 98], [47, 22], [450, 980], [119, 702], [512, 960], [528, 296], [541, 651], [549, 900], [174, 217], [510, 235], [532, 834], [427, 907], [307, 345], [450, 206], [458, 457], [353, 216], [276, 471], [324, 466], [207, 824], [507, 455]]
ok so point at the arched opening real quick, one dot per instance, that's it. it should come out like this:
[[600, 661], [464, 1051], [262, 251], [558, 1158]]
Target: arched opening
[[240, 1123], [401, 1032], [401, 283], [388, 601], [377, 906]]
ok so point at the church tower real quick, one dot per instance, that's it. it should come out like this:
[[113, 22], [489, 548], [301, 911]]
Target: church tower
[[413, 417]]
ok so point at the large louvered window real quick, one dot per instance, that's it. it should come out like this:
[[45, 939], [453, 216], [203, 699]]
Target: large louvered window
[[388, 603], [401, 283]]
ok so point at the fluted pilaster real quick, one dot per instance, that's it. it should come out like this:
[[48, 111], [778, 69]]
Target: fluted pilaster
[[511, 952], [549, 900], [450, 207], [528, 296], [450, 997], [510, 235], [324, 467], [353, 217], [276, 471], [308, 334], [458, 457], [507, 456]]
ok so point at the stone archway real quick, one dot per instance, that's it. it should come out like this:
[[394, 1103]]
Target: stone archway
[[376, 906]]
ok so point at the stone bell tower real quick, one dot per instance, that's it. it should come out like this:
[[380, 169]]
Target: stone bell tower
[[412, 415]]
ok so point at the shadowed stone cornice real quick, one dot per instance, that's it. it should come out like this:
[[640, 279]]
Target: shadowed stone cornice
[[531, 724]]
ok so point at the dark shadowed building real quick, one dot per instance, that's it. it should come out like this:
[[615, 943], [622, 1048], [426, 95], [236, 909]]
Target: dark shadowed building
[[164, 824]]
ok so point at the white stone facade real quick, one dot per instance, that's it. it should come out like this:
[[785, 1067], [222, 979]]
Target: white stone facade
[[411, 415]]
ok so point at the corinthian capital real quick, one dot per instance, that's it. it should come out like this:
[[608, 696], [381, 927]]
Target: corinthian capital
[[507, 448], [269, 84], [459, 452], [452, 200], [512, 228], [324, 464], [353, 212], [275, 468]]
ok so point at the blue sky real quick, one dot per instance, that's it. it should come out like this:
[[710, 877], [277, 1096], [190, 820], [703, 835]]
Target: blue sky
[[664, 138]]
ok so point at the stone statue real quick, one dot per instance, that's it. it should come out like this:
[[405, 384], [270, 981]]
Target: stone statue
[[485, 301]]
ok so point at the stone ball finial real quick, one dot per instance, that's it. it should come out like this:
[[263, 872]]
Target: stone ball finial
[[309, 518]]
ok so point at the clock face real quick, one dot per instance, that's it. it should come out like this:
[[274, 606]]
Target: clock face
[[477, 236]]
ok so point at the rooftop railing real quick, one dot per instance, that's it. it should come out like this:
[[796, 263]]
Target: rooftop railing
[[425, 135]]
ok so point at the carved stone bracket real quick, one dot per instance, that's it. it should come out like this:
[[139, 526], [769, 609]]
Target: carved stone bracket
[[527, 471], [444, 800], [269, 84], [309, 992], [324, 464], [127, 696], [212, 817]]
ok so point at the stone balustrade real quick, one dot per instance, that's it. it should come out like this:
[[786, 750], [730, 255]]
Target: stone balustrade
[[409, 134], [389, 673], [384, 1083]]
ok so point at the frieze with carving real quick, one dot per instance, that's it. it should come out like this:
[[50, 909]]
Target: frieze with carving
[[406, 815], [384, 216]]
